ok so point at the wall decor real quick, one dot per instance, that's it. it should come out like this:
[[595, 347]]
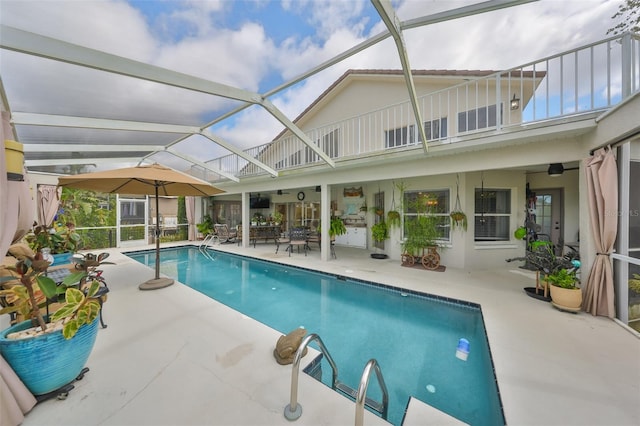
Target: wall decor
[[353, 192]]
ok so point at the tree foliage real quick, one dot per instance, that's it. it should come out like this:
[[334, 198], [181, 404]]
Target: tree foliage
[[88, 209], [628, 15], [182, 217]]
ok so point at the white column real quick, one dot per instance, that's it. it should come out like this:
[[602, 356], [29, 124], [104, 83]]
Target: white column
[[325, 218], [246, 220]]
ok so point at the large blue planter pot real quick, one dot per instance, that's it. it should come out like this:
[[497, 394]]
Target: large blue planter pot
[[46, 363]]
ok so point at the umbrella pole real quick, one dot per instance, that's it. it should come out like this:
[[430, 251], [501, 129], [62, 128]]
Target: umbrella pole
[[156, 282]]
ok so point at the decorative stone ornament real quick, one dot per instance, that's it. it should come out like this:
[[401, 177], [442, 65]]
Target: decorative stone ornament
[[287, 346]]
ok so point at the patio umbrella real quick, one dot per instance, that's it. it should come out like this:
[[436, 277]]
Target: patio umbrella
[[151, 179]]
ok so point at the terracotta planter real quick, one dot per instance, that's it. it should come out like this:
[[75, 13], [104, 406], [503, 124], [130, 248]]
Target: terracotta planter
[[566, 299]]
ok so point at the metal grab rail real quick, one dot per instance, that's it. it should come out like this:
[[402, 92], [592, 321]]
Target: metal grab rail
[[205, 243], [293, 410], [362, 391]]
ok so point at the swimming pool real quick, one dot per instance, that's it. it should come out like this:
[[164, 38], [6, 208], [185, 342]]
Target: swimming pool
[[413, 336]]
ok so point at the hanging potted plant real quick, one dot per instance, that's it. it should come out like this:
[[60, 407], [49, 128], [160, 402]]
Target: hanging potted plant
[[458, 220], [48, 352], [393, 216], [336, 227], [379, 233], [458, 217]]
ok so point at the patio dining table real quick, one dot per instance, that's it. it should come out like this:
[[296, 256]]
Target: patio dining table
[[264, 232]]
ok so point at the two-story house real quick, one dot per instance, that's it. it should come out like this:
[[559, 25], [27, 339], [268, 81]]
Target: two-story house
[[508, 148]]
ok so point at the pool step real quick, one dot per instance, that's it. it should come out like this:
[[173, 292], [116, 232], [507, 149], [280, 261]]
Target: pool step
[[352, 393], [314, 369]]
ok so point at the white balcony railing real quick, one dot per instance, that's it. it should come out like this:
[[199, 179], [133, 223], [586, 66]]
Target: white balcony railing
[[590, 78]]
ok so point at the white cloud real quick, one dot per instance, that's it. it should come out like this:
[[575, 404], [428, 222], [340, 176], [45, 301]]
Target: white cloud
[[111, 26], [215, 57], [510, 37]]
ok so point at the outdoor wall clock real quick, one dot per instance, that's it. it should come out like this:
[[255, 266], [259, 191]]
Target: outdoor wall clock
[[300, 195]]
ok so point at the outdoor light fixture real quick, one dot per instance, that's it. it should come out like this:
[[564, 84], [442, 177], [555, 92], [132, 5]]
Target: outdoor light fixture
[[555, 169], [515, 102], [318, 189]]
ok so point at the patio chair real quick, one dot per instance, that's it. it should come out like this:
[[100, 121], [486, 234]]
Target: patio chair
[[298, 237], [252, 236], [282, 238], [313, 237], [224, 234]]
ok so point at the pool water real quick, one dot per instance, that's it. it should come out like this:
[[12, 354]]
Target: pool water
[[413, 336]]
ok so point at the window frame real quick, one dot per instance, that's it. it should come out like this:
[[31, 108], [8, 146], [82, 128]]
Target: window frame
[[484, 117], [443, 216], [407, 135], [495, 238]]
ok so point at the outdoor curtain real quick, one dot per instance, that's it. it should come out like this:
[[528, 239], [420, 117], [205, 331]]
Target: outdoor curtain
[[6, 223], [602, 186], [48, 202], [190, 204], [15, 398]]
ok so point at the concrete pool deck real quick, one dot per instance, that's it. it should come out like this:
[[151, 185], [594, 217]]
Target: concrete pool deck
[[176, 357]]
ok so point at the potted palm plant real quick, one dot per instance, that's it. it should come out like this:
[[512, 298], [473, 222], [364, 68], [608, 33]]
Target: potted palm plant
[[206, 226], [48, 351]]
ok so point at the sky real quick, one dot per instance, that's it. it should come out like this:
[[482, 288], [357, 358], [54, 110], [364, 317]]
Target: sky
[[259, 44]]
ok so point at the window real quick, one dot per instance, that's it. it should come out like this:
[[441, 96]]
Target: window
[[480, 118], [406, 135], [292, 160], [329, 146], [399, 137], [432, 202], [492, 214], [436, 129], [229, 212]]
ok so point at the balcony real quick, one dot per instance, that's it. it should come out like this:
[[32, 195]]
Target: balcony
[[571, 86]]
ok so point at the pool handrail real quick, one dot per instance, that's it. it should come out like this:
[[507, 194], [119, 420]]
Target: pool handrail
[[362, 392], [293, 410], [206, 242]]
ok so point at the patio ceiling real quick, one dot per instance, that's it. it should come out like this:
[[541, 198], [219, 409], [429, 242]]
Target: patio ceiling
[[88, 129]]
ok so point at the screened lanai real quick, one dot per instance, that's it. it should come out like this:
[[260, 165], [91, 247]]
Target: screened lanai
[[93, 106], [83, 103]]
